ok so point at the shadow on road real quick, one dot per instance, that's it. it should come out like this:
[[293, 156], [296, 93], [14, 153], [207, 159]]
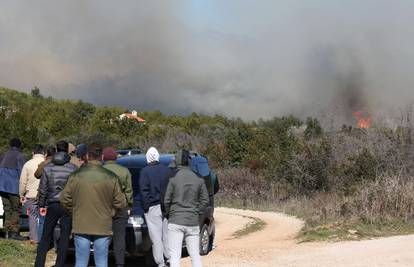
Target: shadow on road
[[129, 262]]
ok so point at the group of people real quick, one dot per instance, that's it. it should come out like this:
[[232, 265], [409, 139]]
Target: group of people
[[172, 198], [89, 195]]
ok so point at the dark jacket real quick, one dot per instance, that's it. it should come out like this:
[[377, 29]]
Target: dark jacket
[[11, 164], [151, 179], [92, 195], [186, 198], [54, 177], [39, 171], [164, 186]]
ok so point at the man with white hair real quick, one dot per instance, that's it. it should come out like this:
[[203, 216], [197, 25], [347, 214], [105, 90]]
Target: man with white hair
[[151, 180]]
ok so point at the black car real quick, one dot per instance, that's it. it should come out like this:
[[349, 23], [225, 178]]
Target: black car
[[138, 242]]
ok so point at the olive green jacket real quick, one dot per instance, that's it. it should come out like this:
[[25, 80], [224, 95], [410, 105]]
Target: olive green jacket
[[92, 195], [124, 180]]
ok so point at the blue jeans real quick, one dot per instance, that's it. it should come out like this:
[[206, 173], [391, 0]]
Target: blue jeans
[[33, 212], [100, 248], [40, 226]]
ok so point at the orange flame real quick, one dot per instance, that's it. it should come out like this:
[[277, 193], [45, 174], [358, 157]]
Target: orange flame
[[364, 122]]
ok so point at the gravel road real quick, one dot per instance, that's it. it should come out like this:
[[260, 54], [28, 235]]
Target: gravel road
[[275, 245]]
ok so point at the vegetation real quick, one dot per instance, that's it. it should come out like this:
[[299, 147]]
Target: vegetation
[[254, 225], [349, 177], [16, 253]]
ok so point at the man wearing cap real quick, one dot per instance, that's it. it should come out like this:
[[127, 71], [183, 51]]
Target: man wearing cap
[[74, 155], [152, 178], [120, 219], [80, 155], [91, 196]]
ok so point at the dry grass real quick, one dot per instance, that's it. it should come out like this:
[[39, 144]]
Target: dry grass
[[384, 206]]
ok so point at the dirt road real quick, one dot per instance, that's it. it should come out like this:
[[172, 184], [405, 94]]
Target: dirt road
[[275, 245]]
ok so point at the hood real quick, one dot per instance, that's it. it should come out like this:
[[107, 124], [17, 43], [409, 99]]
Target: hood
[[152, 155], [179, 158], [182, 153], [60, 158]]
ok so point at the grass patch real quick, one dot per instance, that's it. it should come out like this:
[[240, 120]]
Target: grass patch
[[254, 225], [321, 228], [341, 232], [16, 253]]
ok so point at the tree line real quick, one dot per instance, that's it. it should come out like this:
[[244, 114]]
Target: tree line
[[278, 158]]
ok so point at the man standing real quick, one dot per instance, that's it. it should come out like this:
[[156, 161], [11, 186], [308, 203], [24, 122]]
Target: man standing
[[151, 180], [120, 220], [11, 164], [92, 195], [50, 151], [54, 178], [29, 185], [185, 199]]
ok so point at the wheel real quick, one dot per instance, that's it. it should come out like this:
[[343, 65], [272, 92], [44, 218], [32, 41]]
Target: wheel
[[211, 244], [204, 240]]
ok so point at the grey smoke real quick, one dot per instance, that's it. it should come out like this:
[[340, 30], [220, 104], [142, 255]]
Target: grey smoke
[[247, 59]]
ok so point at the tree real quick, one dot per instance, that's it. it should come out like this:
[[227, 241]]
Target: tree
[[313, 128], [36, 92]]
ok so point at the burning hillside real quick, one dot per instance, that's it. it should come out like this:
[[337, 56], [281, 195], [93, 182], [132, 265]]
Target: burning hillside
[[364, 121]]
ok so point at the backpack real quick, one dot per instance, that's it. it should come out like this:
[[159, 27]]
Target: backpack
[[199, 165]]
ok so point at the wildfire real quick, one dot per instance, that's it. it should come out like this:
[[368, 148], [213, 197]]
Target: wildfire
[[364, 122]]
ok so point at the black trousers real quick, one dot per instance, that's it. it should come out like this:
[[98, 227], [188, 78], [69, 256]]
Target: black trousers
[[118, 240], [11, 204], [55, 213]]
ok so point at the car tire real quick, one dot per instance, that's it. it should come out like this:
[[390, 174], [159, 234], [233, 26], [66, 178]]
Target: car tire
[[204, 240], [211, 244]]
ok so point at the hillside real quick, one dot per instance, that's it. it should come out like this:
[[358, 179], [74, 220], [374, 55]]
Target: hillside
[[335, 180]]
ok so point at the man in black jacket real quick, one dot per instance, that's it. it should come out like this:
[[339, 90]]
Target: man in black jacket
[[54, 177], [151, 181]]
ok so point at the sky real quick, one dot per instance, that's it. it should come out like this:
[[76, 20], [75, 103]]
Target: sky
[[239, 58]]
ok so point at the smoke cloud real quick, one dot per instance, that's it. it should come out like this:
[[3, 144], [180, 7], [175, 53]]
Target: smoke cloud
[[249, 59]]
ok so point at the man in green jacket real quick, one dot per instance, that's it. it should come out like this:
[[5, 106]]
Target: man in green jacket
[[185, 199], [120, 220], [92, 195]]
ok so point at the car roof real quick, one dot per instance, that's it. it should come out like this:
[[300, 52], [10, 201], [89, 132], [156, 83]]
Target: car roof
[[140, 160]]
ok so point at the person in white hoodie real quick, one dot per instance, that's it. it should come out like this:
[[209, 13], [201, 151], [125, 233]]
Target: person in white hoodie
[[152, 179], [28, 189]]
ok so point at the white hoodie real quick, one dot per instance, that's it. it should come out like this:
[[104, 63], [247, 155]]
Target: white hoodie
[[152, 155]]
